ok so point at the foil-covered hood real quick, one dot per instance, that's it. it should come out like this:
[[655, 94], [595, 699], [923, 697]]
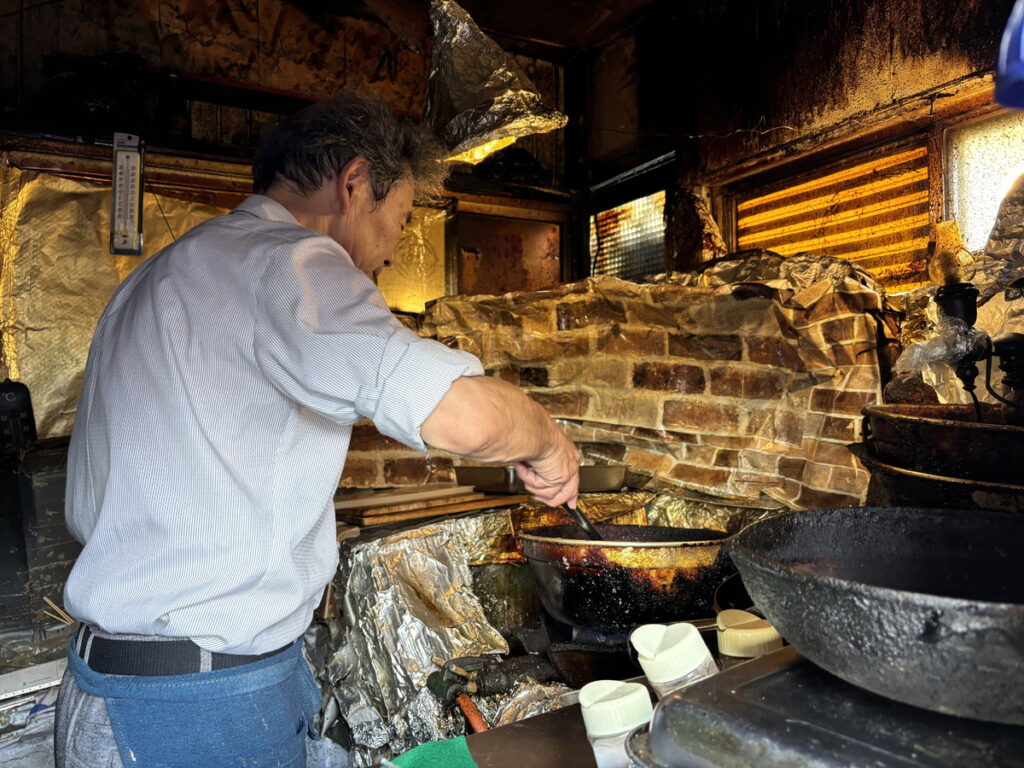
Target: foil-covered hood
[[478, 99]]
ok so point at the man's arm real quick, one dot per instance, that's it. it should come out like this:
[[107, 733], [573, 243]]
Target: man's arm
[[489, 419]]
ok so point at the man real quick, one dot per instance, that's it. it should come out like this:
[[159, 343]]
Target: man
[[215, 416]]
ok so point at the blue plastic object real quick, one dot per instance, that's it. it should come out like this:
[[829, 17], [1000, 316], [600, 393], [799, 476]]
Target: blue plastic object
[[1010, 69]]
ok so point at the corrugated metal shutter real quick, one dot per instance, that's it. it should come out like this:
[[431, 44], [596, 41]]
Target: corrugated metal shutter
[[629, 241], [874, 213]]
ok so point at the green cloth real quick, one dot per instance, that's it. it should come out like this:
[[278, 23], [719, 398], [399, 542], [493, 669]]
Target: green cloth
[[453, 753]]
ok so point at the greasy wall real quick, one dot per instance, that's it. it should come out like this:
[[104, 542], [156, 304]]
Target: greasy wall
[[83, 68], [200, 76], [724, 81]]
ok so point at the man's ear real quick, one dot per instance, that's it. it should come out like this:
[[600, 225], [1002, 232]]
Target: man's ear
[[353, 179]]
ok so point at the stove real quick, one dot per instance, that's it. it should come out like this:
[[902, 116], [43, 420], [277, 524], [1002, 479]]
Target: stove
[[581, 655], [782, 710]]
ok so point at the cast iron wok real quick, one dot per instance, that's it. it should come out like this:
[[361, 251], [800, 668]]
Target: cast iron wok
[[925, 606], [638, 574]]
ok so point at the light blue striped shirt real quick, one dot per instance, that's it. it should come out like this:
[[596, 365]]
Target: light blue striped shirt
[[214, 419]]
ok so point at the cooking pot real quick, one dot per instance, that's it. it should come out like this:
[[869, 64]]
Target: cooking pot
[[925, 606], [946, 440], [637, 575]]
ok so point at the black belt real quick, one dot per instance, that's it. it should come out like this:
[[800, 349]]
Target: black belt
[[155, 657]]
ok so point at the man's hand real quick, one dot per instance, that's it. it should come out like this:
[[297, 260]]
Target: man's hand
[[555, 479]]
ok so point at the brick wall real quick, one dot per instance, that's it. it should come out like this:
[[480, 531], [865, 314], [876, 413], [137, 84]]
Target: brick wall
[[748, 391]]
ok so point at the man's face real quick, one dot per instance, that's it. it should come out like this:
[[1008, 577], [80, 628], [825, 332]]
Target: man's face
[[373, 231]]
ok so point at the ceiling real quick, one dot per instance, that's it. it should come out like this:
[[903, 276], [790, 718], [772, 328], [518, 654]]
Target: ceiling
[[562, 23], [570, 24]]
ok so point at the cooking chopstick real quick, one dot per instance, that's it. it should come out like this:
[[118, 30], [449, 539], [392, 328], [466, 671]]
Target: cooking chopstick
[[59, 619], [63, 616]]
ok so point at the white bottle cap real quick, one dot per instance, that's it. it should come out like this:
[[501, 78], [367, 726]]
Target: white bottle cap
[[744, 635], [611, 706], [668, 652]]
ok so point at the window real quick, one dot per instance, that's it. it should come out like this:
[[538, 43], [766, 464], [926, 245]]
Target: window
[[629, 241], [872, 211], [983, 159]]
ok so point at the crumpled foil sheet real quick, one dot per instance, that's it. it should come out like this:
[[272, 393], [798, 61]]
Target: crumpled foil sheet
[[56, 276], [931, 341], [528, 699], [1003, 259], [682, 512], [417, 273], [768, 268], [625, 508], [27, 646], [407, 598], [693, 235], [921, 314], [476, 93], [739, 381]]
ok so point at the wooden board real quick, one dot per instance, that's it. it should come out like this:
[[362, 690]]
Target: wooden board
[[344, 531], [490, 502], [408, 506], [366, 499]]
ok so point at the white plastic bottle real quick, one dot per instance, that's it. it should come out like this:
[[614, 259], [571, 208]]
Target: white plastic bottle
[[672, 656], [611, 709], [743, 636]]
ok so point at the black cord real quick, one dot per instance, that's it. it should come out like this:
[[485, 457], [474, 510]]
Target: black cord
[[977, 405], [163, 215], [988, 382]]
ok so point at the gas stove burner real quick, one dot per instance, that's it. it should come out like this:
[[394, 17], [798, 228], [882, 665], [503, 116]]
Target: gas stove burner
[[581, 655], [594, 638]]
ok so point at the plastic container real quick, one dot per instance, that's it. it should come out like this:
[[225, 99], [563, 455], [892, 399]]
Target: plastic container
[[611, 709], [743, 636], [672, 656]]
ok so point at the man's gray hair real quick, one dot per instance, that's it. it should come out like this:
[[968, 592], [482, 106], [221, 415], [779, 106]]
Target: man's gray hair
[[313, 145]]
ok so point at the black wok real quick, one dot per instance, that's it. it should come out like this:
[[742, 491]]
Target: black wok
[[638, 574], [925, 606]]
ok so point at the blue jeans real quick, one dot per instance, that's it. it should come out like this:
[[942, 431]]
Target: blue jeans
[[253, 716]]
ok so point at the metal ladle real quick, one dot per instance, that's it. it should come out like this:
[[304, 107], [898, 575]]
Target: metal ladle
[[583, 522]]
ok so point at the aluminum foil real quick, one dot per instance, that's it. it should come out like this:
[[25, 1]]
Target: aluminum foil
[[417, 273], [57, 276], [1003, 259], [27, 646], [703, 381], [408, 599], [932, 342], [527, 699], [801, 272], [477, 95], [682, 512], [693, 235]]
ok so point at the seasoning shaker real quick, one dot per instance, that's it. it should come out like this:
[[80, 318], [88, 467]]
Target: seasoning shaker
[[611, 709], [672, 656]]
